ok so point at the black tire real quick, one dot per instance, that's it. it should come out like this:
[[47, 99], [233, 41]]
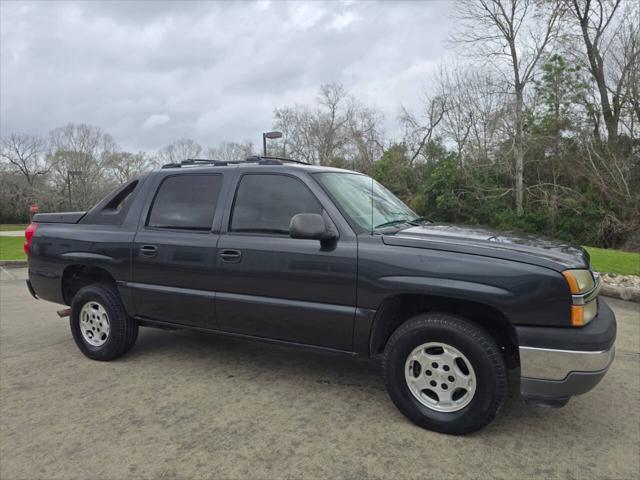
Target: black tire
[[123, 330], [479, 348]]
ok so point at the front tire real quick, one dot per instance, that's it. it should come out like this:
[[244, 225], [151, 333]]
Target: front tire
[[99, 323], [445, 373]]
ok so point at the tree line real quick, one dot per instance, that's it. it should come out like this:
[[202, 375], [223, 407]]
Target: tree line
[[76, 165], [533, 127]]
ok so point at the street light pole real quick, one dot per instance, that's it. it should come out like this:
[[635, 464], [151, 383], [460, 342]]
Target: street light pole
[[269, 135], [71, 173], [69, 188]]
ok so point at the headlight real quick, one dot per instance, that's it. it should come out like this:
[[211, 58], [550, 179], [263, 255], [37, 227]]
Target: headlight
[[580, 281], [584, 295]]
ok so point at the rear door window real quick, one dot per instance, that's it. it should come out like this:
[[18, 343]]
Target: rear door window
[[185, 202], [266, 203]]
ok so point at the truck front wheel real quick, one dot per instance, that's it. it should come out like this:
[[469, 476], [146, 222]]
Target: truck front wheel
[[445, 373], [99, 323]]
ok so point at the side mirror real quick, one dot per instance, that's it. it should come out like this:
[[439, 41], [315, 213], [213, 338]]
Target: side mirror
[[311, 226]]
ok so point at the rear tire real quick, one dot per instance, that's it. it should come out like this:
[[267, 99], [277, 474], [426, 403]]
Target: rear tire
[[445, 373], [99, 323]]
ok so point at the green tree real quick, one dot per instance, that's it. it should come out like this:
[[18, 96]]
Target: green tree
[[394, 170]]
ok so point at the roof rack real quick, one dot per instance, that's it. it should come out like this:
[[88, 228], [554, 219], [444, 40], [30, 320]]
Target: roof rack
[[221, 163], [280, 159]]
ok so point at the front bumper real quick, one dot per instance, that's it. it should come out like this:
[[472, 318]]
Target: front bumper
[[557, 363]]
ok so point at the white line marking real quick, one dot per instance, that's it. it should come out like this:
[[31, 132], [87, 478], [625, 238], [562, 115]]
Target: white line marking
[[5, 271]]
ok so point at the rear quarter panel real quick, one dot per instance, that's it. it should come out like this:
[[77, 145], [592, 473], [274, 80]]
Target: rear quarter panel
[[58, 246]]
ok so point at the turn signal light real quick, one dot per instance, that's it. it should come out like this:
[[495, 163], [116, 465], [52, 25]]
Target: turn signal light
[[577, 315], [583, 314]]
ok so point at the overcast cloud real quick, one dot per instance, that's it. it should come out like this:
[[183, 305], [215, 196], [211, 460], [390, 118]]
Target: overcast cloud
[[152, 72]]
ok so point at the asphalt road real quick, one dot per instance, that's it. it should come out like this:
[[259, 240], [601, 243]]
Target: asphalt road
[[187, 405]]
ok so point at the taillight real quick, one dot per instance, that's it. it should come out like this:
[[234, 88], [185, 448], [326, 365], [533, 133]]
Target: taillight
[[28, 236]]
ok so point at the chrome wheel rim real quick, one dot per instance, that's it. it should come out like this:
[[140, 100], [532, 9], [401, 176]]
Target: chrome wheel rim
[[440, 377], [94, 324]]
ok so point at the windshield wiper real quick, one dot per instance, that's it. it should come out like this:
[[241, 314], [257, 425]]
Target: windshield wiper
[[416, 222], [393, 222], [419, 221]]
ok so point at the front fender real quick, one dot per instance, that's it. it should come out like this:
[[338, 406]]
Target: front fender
[[526, 294]]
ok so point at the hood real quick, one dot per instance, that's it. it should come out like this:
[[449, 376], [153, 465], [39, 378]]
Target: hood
[[521, 247]]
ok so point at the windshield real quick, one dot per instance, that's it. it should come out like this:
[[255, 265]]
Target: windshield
[[353, 193]]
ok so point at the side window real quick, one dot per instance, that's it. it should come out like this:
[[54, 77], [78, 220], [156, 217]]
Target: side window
[[185, 202], [121, 200], [112, 209], [266, 203]]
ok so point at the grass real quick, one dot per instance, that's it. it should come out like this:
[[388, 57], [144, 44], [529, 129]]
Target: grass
[[11, 248], [614, 261], [9, 227]]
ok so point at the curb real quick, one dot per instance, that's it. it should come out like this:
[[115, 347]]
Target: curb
[[623, 293], [13, 263]]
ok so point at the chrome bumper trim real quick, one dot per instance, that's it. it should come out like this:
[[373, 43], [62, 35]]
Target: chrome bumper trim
[[551, 364]]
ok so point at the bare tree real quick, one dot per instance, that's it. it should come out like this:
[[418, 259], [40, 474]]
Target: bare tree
[[230, 151], [124, 166], [515, 34], [317, 135], [296, 124], [419, 130], [475, 108], [329, 131], [624, 71], [366, 142], [15, 195], [486, 105], [338, 130], [598, 28], [84, 138], [26, 153], [458, 118], [79, 157], [179, 150]]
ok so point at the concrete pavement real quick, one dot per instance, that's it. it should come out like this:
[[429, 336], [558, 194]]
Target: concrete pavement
[[188, 405]]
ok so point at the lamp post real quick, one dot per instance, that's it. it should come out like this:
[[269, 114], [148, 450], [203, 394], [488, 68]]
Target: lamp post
[[71, 173], [269, 135]]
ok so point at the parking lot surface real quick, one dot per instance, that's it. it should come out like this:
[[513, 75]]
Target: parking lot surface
[[184, 405]]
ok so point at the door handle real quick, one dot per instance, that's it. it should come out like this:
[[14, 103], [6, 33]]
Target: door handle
[[148, 250], [230, 255]]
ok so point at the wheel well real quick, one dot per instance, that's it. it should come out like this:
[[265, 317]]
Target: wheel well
[[75, 277], [398, 309]]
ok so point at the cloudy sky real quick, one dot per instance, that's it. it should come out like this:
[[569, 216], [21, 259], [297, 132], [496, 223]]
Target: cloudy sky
[[152, 72]]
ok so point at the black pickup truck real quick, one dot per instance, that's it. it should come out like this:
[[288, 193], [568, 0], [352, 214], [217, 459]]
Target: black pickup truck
[[274, 250]]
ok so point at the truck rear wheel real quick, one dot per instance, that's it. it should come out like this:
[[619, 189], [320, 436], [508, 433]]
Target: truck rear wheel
[[99, 323], [444, 373]]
